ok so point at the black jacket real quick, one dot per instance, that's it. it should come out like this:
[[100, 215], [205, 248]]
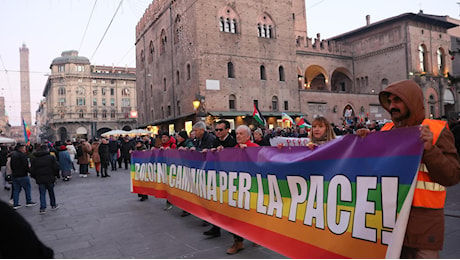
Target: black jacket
[[19, 164], [206, 141], [113, 146], [104, 153], [45, 167]]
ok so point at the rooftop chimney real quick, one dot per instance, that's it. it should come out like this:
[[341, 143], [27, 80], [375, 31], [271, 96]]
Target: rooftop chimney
[[368, 19]]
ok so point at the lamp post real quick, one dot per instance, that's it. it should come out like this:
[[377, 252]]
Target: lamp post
[[199, 106]]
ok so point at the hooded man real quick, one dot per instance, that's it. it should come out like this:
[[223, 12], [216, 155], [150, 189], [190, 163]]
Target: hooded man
[[439, 168]]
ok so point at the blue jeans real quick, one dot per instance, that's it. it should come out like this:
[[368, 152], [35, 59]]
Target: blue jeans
[[18, 183], [113, 160], [42, 188]]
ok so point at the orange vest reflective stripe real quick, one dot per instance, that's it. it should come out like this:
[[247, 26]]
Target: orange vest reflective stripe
[[427, 194]]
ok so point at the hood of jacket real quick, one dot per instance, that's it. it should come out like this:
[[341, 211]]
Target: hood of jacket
[[42, 152], [411, 94]]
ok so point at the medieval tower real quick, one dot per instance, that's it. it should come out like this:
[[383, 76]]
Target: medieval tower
[[25, 84]]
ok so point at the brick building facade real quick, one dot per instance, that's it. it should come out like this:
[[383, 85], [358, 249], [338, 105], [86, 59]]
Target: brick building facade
[[232, 54]]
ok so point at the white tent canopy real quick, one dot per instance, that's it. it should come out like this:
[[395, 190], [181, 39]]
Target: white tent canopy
[[114, 132], [139, 132], [6, 140]]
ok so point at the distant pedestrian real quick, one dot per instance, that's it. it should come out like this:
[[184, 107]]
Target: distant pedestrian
[[104, 155], [83, 154], [72, 152], [126, 147], [114, 147], [95, 155], [45, 170], [20, 169], [65, 163]]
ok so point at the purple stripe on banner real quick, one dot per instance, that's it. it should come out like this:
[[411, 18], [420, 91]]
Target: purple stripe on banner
[[377, 144]]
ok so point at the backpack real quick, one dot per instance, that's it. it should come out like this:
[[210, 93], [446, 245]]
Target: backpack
[[79, 151]]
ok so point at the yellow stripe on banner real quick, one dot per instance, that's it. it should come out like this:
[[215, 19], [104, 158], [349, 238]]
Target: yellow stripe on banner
[[348, 246]]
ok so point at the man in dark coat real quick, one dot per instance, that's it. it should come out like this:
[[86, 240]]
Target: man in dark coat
[[20, 169], [126, 147], [44, 170]]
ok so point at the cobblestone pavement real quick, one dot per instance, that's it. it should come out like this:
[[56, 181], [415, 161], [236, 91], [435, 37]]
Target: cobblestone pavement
[[101, 218]]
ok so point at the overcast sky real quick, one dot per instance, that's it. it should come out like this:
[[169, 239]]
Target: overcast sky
[[49, 27]]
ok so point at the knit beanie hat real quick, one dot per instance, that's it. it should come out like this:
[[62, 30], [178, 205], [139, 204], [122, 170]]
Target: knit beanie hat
[[183, 134]]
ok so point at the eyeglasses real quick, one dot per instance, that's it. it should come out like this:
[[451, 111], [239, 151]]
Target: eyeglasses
[[219, 129]]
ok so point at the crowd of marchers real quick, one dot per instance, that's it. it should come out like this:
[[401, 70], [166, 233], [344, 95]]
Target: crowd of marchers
[[439, 168]]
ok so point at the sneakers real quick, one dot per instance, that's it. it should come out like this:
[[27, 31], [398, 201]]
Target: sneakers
[[168, 206], [55, 207], [31, 204], [17, 207], [11, 202], [42, 211]]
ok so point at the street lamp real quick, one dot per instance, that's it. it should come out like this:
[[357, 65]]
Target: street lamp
[[199, 105]]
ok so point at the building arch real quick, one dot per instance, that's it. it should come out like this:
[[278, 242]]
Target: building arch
[[341, 81], [422, 54], [441, 61], [316, 78], [81, 132], [102, 130], [62, 134], [126, 128]]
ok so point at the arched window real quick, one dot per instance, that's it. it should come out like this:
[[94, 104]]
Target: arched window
[[441, 62], [177, 29], [221, 24], [188, 72], [227, 25], [163, 42], [263, 75], [281, 73], [95, 113], [230, 70], [233, 26], [164, 84], [80, 113], [151, 51], [265, 27], [228, 20], [61, 91], [142, 59], [422, 57], [177, 77], [104, 114], [232, 102], [113, 114], [178, 107], [384, 83], [274, 103]]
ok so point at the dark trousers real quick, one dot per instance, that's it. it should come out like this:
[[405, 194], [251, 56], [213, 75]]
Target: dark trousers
[[42, 188]]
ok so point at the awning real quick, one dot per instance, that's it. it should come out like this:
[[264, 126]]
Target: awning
[[249, 113], [448, 97]]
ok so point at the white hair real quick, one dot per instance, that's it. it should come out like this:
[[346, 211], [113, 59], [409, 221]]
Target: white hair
[[246, 128], [199, 125]]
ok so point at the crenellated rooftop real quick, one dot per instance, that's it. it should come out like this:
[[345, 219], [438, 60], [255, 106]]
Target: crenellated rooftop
[[151, 14], [322, 46]]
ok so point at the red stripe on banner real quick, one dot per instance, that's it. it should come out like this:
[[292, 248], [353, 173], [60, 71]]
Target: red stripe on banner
[[297, 249]]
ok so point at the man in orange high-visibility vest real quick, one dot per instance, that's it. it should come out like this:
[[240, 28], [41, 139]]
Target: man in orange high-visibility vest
[[439, 168]]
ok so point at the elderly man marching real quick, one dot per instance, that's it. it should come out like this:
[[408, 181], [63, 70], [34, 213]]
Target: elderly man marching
[[439, 168]]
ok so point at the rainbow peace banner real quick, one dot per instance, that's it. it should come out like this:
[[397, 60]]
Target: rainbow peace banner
[[348, 198]]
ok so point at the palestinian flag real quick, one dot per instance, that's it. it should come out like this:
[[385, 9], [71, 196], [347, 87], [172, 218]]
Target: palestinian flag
[[303, 124], [258, 116]]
